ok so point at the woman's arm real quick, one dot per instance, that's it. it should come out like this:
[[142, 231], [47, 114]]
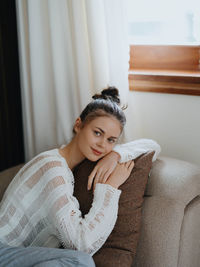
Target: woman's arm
[[132, 150], [88, 234], [121, 153], [103, 169]]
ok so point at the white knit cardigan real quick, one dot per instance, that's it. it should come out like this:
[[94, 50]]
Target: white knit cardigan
[[39, 209]]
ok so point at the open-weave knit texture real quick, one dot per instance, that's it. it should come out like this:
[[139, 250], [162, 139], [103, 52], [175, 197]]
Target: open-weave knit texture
[[39, 209]]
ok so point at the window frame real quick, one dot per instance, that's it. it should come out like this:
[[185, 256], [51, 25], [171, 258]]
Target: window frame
[[173, 69]]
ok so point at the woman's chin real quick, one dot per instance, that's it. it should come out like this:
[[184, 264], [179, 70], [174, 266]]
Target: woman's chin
[[94, 157]]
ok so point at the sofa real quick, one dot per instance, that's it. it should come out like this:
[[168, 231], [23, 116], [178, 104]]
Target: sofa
[[170, 234]]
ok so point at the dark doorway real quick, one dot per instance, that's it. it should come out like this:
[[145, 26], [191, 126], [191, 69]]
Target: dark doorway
[[11, 133]]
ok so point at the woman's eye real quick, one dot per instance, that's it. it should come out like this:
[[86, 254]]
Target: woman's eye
[[111, 140], [97, 133]]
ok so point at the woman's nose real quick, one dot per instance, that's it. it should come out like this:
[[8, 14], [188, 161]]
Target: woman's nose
[[101, 143]]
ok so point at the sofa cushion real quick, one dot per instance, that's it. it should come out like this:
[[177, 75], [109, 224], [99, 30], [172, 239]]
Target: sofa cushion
[[120, 247], [6, 177]]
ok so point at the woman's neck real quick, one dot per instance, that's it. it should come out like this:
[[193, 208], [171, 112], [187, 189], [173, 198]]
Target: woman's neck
[[71, 154]]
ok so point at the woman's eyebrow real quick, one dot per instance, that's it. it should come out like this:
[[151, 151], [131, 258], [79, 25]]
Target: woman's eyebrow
[[104, 133]]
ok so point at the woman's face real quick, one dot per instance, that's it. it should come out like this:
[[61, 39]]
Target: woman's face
[[97, 137]]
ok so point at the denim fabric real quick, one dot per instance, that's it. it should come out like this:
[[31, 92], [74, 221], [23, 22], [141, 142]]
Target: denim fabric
[[43, 257]]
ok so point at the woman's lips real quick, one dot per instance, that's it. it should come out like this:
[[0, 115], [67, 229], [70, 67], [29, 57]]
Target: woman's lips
[[96, 152]]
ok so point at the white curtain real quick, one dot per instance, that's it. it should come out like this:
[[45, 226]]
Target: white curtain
[[69, 50]]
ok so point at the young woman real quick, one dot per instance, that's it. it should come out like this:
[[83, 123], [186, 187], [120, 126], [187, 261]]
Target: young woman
[[39, 209]]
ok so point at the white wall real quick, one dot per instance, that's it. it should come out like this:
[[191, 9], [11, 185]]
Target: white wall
[[172, 120]]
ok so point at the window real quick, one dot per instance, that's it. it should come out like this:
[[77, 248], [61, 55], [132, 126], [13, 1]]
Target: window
[[164, 46]]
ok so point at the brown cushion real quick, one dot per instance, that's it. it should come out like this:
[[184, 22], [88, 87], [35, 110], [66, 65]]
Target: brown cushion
[[120, 247]]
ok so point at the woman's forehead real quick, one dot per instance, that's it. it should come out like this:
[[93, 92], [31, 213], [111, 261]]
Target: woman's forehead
[[107, 124]]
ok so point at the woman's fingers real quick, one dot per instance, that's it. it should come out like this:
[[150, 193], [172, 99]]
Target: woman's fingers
[[100, 175], [132, 164], [91, 178], [105, 178], [96, 176], [129, 163], [95, 182]]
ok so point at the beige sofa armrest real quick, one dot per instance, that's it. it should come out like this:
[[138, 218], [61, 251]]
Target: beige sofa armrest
[[174, 179], [171, 202], [6, 177]]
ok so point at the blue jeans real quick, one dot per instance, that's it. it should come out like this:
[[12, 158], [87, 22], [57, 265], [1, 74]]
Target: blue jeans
[[43, 257]]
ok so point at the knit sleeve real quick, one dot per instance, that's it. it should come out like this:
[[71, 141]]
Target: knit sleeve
[[39, 208], [87, 234], [132, 150]]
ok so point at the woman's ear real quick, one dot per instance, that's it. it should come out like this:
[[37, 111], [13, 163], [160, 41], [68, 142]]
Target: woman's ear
[[77, 125]]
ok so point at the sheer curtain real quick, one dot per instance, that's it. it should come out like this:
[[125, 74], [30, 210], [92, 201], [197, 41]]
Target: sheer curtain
[[69, 50]]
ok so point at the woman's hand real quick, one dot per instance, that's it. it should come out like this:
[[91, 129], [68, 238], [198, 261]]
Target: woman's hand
[[120, 173], [103, 169]]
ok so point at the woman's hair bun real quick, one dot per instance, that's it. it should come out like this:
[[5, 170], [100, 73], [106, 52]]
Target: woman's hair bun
[[111, 93]]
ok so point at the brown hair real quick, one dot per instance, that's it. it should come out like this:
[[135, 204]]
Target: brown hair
[[105, 104]]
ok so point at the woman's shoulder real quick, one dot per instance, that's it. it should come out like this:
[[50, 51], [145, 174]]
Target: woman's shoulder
[[45, 156], [38, 172], [52, 153], [44, 160], [50, 165]]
